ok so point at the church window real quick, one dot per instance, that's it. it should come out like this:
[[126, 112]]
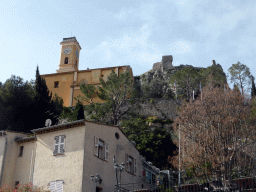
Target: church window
[[56, 84], [66, 60], [59, 145]]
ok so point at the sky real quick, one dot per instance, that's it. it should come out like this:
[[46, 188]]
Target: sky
[[126, 32]]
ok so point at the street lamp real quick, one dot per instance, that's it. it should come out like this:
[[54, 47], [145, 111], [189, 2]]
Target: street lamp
[[96, 180], [119, 168]]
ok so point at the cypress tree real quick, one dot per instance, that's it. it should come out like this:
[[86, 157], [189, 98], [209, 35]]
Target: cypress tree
[[253, 91], [42, 99], [79, 111]]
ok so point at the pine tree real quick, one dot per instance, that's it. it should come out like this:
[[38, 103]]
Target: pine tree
[[118, 94], [240, 74]]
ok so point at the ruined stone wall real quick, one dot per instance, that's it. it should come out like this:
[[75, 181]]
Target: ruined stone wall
[[165, 64]]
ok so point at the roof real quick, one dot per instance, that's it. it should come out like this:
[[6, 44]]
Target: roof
[[88, 70], [10, 131], [72, 125], [70, 39], [26, 139], [59, 127]]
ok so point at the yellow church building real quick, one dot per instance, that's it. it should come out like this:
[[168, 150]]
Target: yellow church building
[[66, 82]]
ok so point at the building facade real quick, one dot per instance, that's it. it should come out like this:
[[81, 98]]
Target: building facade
[[66, 82], [63, 158]]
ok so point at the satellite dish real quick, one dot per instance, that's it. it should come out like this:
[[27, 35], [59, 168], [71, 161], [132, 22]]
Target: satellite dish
[[48, 122]]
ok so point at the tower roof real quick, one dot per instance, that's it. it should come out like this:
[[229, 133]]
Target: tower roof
[[70, 39]]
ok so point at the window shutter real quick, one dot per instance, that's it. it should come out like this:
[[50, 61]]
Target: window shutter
[[61, 148], [106, 151], [61, 145], [59, 186], [52, 186], [135, 166], [126, 162], [56, 146], [56, 186], [56, 139], [96, 146]]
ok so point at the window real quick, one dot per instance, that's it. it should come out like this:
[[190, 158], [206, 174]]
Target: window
[[66, 60], [59, 145], [56, 84], [21, 151], [98, 189], [16, 184], [101, 148], [56, 186], [130, 164], [117, 135], [148, 177]]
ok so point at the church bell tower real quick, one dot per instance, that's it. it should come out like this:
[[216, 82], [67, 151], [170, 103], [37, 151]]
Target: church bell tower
[[69, 55]]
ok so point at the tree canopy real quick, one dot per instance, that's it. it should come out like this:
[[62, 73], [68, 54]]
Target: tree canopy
[[157, 88], [26, 105], [214, 131], [186, 80], [155, 144], [240, 74], [16, 100], [217, 73], [117, 92]]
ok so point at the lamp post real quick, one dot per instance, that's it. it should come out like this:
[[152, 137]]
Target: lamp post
[[96, 180], [119, 168]]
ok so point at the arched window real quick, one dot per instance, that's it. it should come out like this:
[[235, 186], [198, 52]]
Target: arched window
[[66, 60]]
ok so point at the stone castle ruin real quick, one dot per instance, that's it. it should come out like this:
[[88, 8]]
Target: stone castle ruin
[[165, 64], [165, 69]]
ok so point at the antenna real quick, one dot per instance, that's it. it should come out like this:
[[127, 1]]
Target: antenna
[[48, 122]]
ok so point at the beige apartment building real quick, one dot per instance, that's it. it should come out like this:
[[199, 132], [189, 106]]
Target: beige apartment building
[[63, 158]]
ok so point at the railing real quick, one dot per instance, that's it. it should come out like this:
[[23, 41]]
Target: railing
[[244, 184], [142, 187], [217, 184]]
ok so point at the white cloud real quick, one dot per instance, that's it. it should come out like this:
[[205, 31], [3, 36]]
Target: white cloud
[[145, 12], [133, 47]]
